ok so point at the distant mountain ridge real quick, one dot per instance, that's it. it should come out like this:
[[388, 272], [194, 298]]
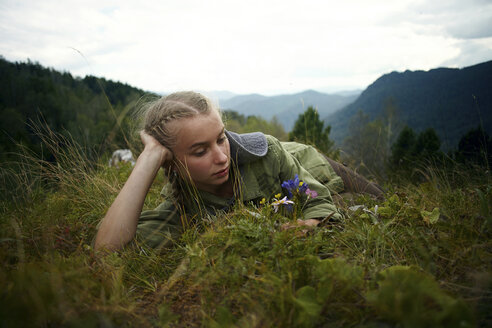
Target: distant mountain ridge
[[217, 95], [286, 107], [452, 101]]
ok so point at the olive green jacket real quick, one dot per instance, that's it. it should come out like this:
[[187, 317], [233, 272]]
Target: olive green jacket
[[263, 163]]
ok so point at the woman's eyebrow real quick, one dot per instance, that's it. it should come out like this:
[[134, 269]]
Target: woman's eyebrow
[[204, 143], [198, 144]]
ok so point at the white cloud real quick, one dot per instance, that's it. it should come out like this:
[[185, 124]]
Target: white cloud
[[471, 52], [459, 19], [254, 46]]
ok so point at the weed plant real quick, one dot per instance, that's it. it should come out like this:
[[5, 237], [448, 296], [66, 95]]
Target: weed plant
[[420, 258]]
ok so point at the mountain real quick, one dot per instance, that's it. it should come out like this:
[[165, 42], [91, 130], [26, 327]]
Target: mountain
[[218, 94], [356, 92], [286, 107], [452, 101]]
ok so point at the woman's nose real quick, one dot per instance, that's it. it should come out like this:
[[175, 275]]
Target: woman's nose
[[219, 155]]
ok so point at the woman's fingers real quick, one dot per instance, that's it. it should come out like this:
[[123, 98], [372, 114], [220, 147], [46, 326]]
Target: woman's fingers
[[152, 145], [147, 138], [306, 223]]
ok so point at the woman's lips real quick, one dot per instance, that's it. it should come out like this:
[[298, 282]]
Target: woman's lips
[[222, 173]]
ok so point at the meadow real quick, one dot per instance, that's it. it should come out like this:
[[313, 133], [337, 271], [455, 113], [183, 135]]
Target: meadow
[[420, 258]]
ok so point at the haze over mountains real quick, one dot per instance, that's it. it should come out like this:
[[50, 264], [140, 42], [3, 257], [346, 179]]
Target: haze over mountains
[[287, 108]]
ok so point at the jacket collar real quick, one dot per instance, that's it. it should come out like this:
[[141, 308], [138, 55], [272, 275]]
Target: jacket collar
[[247, 147]]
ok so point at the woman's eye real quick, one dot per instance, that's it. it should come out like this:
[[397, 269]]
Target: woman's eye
[[200, 153], [221, 140]]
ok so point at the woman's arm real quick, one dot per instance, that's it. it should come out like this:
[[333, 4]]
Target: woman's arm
[[120, 223]]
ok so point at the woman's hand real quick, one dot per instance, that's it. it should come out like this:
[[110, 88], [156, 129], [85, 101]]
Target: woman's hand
[[154, 148], [308, 224]]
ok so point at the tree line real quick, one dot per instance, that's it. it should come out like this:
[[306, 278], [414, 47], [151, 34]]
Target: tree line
[[92, 111]]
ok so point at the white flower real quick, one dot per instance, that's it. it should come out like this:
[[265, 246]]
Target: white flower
[[284, 201]]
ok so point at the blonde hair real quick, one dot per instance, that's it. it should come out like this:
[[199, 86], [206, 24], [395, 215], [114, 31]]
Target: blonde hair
[[159, 113], [157, 116]]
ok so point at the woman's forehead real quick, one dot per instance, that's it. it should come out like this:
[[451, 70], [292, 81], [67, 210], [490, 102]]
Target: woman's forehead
[[201, 128]]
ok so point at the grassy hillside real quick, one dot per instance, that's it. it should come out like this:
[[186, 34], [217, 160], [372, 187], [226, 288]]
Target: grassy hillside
[[421, 258], [452, 101]]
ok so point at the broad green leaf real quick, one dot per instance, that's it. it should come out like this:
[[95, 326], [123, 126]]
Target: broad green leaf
[[306, 299], [431, 217]]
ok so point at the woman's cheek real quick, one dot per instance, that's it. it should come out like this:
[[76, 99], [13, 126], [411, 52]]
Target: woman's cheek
[[199, 164]]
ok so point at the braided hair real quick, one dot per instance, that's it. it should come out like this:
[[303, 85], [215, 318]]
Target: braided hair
[[159, 113], [172, 107]]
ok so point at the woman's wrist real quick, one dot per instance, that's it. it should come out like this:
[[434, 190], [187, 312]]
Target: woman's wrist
[[154, 155]]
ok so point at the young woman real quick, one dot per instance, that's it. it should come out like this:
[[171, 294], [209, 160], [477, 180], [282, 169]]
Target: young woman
[[209, 169]]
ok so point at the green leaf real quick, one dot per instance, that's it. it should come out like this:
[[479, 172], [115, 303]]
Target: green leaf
[[306, 300], [431, 217]]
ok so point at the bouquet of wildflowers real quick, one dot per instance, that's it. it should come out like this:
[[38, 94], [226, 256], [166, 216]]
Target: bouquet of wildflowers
[[291, 205]]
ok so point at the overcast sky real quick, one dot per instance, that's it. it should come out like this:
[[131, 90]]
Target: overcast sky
[[267, 47]]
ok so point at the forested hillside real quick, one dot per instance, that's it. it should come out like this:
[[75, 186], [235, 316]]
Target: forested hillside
[[90, 109], [452, 101]]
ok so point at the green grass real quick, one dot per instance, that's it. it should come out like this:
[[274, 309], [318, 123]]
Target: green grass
[[422, 259]]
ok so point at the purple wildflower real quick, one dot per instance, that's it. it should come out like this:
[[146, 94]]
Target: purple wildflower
[[295, 185], [303, 187], [311, 193], [291, 185]]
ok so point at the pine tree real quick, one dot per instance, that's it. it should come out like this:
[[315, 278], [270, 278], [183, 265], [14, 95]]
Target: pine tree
[[475, 147], [411, 151], [309, 129], [402, 149]]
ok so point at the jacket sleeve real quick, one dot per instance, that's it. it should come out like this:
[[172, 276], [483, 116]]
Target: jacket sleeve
[[316, 164], [316, 208], [160, 227]]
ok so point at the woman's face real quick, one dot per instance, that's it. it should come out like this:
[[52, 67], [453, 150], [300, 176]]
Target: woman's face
[[203, 151]]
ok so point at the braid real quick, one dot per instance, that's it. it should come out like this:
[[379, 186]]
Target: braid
[[170, 108], [159, 113]]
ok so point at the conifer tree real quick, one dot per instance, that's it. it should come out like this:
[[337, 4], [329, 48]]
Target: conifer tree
[[403, 148], [309, 129], [475, 147], [411, 150]]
